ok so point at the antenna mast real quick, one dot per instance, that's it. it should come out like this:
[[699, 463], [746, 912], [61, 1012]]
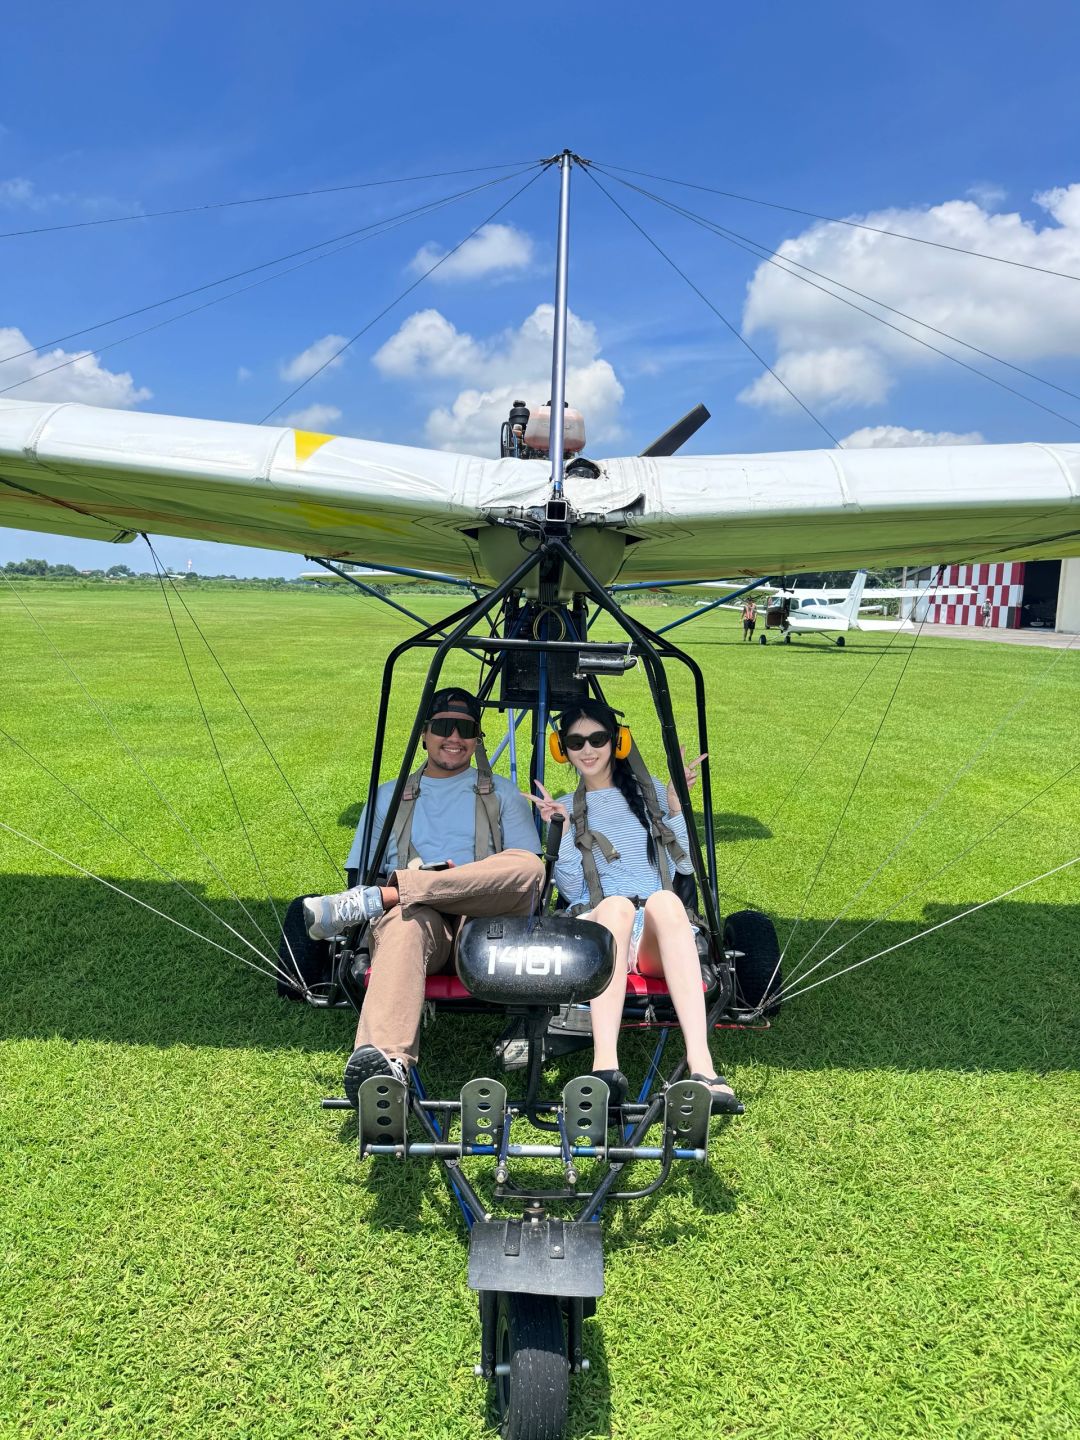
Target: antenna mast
[[558, 357]]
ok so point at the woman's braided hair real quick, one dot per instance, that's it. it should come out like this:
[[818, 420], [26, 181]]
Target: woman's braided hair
[[622, 775]]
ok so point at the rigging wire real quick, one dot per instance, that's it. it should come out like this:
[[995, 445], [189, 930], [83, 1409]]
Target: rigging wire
[[852, 224], [106, 718], [408, 290], [1024, 884], [163, 870], [719, 314], [938, 800], [74, 865], [850, 796], [773, 257], [351, 237], [962, 854], [260, 199], [250, 718], [218, 756]]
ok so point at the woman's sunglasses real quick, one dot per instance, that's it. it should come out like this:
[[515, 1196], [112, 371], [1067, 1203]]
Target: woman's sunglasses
[[598, 739], [447, 724]]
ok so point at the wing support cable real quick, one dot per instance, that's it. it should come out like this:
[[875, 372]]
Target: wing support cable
[[130, 753], [799, 978], [784, 264], [145, 855], [850, 796], [851, 224], [409, 288], [119, 890], [365, 232], [1013, 890], [262, 199], [219, 758], [359, 583], [935, 804], [719, 314]]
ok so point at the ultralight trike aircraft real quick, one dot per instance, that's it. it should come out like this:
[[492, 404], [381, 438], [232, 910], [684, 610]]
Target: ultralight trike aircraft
[[539, 548]]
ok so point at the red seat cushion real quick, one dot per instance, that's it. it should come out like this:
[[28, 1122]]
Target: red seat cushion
[[447, 986]]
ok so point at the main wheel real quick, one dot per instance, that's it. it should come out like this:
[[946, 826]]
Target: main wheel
[[297, 951], [787, 638], [840, 641], [757, 964], [532, 1394], [764, 640]]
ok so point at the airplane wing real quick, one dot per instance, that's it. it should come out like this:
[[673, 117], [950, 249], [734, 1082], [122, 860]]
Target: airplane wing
[[108, 474]]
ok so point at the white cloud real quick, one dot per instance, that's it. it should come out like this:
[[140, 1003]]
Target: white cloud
[[322, 353], [428, 346], [85, 379], [20, 192], [892, 437], [842, 357], [494, 250], [986, 193], [243, 373], [312, 417]]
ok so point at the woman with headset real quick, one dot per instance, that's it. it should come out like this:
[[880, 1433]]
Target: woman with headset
[[609, 870]]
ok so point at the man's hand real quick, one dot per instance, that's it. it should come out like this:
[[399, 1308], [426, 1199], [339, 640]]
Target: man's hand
[[547, 807], [690, 770]]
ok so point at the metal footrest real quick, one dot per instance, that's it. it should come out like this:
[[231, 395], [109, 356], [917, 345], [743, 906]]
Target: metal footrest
[[483, 1112], [585, 1107], [687, 1109], [384, 1108]]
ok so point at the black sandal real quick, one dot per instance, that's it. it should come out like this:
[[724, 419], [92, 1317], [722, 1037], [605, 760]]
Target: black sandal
[[617, 1083], [722, 1104]]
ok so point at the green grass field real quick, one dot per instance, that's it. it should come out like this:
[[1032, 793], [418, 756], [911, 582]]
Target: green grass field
[[884, 1245]]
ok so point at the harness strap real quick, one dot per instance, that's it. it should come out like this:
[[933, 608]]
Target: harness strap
[[402, 831], [585, 839]]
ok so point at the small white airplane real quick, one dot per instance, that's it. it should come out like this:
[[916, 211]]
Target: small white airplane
[[825, 612]]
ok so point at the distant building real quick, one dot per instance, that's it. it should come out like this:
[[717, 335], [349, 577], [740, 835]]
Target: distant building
[[1008, 595]]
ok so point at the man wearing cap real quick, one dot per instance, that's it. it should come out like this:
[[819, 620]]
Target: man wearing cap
[[452, 811]]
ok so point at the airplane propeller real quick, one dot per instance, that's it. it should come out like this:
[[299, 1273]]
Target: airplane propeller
[[676, 437]]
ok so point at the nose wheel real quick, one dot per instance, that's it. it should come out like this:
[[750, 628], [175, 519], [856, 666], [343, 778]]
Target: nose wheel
[[532, 1374]]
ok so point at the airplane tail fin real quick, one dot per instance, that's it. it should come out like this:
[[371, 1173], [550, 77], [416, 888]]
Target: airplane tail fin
[[850, 607]]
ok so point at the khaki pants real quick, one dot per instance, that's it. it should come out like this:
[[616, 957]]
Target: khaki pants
[[415, 938]]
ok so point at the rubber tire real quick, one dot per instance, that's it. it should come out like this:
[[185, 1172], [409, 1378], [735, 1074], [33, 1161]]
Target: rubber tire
[[532, 1399], [312, 956], [787, 638], [764, 640], [754, 934], [840, 641]]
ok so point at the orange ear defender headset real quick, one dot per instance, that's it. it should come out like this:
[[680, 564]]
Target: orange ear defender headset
[[623, 741]]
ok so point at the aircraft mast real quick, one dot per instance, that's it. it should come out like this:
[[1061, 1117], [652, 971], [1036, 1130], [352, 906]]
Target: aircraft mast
[[558, 356]]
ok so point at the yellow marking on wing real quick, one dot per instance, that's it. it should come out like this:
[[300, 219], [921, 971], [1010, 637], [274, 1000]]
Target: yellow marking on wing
[[307, 442], [319, 515]]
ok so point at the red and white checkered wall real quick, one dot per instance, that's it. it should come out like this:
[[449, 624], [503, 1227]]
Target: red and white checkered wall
[[1000, 585]]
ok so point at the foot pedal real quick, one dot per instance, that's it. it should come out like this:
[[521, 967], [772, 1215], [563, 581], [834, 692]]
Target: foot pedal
[[483, 1112], [687, 1108], [585, 1107], [383, 1104]]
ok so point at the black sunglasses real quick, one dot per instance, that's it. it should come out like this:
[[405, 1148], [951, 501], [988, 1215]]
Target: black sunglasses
[[598, 739], [447, 724]]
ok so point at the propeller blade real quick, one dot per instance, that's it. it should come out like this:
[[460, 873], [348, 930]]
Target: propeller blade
[[673, 439]]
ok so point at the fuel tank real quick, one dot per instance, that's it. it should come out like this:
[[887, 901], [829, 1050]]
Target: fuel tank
[[534, 960]]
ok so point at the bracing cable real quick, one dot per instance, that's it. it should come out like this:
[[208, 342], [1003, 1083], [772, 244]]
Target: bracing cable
[[718, 313], [119, 890], [1013, 890], [350, 239], [784, 264], [852, 224], [250, 718], [406, 292], [260, 199], [218, 756], [161, 869], [133, 757]]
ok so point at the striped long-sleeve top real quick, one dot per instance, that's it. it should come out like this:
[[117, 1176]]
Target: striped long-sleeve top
[[631, 873]]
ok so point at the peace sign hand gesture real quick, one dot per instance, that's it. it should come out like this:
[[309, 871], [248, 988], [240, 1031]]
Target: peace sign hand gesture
[[547, 807], [690, 771]]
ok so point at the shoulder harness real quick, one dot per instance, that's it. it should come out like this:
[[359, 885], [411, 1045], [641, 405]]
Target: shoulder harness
[[488, 820]]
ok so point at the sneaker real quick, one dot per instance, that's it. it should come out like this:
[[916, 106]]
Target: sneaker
[[366, 1061], [328, 915]]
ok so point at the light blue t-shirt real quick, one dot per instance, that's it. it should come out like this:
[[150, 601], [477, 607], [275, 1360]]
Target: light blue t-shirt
[[444, 820]]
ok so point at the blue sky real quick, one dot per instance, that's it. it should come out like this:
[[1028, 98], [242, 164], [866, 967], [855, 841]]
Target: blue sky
[[947, 121]]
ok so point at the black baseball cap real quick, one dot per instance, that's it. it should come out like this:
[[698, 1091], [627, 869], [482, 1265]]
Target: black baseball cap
[[454, 699]]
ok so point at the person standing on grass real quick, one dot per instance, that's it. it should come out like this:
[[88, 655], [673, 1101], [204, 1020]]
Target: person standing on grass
[[477, 827], [609, 862], [749, 620]]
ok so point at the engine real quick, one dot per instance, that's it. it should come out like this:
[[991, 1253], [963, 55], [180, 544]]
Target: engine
[[526, 435]]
